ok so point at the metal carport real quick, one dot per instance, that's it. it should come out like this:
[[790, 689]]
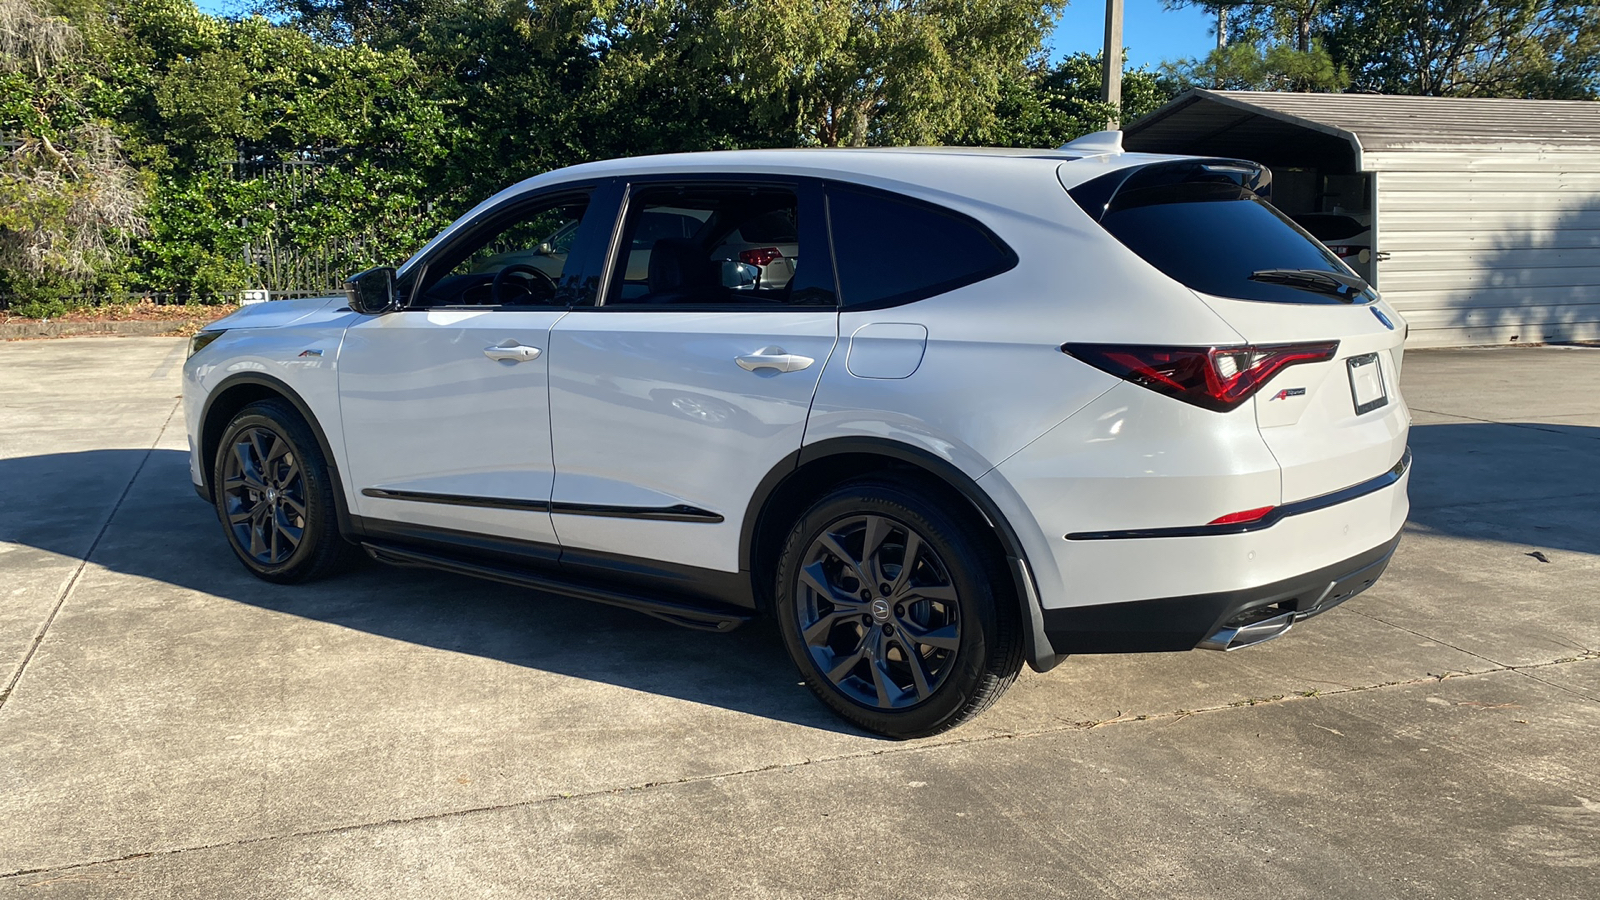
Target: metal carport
[[1485, 213]]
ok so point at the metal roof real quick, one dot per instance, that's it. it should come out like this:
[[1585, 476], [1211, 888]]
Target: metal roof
[[1369, 122]]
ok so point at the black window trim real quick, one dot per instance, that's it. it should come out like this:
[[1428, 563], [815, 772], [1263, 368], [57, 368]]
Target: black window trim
[[498, 215], [1010, 259], [808, 193]]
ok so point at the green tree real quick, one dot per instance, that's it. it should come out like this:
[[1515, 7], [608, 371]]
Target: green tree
[[858, 72], [259, 139], [69, 201], [1052, 104], [1265, 46], [1538, 49]]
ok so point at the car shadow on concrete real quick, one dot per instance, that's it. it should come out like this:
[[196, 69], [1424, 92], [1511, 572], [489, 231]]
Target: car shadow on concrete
[[1527, 483], [1515, 483], [163, 532]]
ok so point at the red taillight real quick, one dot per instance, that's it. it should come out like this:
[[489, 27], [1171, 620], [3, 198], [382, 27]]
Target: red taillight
[[1342, 251], [762, 257], [1243, 517], [1215, 378]]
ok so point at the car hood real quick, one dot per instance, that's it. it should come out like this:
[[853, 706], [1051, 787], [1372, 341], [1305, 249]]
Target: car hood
[[274, 313]]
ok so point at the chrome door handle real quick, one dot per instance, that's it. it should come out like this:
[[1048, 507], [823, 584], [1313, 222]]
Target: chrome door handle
[[512, 351], [774, 358]]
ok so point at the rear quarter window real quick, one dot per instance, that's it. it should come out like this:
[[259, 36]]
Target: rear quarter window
[[1209, 226], [889, 249]]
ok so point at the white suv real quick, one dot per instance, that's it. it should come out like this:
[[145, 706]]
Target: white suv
[[991, 407]]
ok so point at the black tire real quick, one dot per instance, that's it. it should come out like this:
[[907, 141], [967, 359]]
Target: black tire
[[275, 497], [953, 610]]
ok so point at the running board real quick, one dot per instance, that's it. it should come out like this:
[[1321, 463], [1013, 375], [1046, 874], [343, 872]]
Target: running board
[[700, 618]]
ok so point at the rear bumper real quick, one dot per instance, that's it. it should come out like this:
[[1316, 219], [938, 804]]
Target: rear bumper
[[1223, 620]]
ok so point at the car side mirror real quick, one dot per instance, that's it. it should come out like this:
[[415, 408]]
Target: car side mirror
[[740, 276], [545, 248], [373, 291]]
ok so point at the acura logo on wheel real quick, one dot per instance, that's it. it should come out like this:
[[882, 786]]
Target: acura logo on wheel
[[880, 609]]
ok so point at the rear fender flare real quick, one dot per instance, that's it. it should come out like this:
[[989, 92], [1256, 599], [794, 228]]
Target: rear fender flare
[[1040, 654]]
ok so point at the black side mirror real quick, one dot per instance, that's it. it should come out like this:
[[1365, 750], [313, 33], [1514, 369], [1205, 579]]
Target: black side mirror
[[373, 291]]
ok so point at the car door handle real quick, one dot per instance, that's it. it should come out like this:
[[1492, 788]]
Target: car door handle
[[511, 351], [774, 358]]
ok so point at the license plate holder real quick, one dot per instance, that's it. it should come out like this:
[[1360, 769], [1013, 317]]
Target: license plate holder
[[1367, 390]]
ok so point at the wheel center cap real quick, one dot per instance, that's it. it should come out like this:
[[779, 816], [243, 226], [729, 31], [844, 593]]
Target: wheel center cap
[[880, 609], [272, 495]]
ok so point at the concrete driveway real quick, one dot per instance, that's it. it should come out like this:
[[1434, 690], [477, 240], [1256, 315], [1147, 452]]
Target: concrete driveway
[[170, 726]]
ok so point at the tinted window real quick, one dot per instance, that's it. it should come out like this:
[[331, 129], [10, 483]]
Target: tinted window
[[1209, 226], [890, 249], [519, 259], [708, 245], [1329, 227]]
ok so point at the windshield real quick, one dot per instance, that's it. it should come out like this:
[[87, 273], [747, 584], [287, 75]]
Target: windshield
[[1208, 224]]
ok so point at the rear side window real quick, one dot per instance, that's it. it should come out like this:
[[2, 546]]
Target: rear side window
[[1208, 225], [890, 249]]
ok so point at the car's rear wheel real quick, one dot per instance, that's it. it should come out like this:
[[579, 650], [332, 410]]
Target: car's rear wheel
[[275, 497], [895, 611]]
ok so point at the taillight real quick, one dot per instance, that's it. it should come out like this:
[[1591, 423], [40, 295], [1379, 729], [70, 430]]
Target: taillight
[[1215, 378], [1342, 251], [762, 257]]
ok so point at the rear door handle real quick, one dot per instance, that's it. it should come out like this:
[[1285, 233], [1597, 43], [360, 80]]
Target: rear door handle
[[512, 351], [774, 358]]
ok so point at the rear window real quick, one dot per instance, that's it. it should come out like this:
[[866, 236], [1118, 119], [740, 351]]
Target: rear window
[[1330, 227], [890, 249], [1208, 225]]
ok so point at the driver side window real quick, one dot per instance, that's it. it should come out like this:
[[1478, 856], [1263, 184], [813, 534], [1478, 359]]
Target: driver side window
[[519, 260]]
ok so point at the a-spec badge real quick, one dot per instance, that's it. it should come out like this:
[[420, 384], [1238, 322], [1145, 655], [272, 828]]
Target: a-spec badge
[[1382, 318], [1289, 392]]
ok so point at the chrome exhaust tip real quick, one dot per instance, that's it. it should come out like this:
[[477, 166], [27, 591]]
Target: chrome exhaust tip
[[1248, 629]]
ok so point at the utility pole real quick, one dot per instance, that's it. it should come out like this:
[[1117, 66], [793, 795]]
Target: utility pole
[[1111, 78]]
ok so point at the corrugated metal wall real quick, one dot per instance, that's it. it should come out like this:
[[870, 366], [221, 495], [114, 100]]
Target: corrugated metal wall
[[1488, 245]]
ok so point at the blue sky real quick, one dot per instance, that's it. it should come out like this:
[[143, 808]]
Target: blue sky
[[1151, 33]]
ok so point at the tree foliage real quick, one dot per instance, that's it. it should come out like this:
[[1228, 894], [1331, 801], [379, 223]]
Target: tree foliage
[[147, 146], [68, 198], [1537, 49]]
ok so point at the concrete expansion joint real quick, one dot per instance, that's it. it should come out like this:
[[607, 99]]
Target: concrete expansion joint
[[1582, 654], [924, 747], [77, 571]]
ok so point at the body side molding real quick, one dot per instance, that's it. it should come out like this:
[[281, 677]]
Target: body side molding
[[678, 513]]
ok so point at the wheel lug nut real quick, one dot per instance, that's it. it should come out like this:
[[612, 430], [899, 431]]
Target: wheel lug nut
[[888, 630], [883, 589], [866, 595]]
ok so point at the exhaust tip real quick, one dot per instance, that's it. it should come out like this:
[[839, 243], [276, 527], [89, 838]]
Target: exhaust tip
[[1249, 628]]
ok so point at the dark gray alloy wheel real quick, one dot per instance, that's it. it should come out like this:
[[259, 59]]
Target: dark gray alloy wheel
[[264, 495], [889, 607], [275, 496], [877, 612]]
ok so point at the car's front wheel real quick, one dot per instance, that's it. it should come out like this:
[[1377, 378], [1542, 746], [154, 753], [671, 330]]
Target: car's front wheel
[[895, 611], [274, 496]]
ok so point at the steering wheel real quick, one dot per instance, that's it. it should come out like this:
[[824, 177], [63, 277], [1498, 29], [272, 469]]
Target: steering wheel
[[540, 287]]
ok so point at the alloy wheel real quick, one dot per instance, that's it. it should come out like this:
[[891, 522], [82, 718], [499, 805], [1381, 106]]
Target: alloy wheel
[[264, 495], [878, 612]]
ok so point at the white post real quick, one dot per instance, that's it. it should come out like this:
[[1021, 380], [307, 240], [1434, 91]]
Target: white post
[[1111, 78]]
